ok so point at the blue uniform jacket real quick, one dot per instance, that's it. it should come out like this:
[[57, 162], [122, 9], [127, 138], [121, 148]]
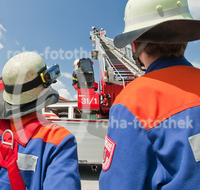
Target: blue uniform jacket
[[47, 155], [153, 140]]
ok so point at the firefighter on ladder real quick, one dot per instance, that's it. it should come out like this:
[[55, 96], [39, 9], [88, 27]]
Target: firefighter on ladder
[[154, 130], [75, 74], [103, 32], [95, 30], [34, 152]]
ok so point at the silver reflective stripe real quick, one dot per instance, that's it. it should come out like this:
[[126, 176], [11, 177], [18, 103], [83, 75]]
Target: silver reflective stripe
[[27, 162], [157, 15], [195, 144]]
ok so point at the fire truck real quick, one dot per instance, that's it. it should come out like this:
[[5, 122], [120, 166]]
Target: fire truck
[[117, 69]]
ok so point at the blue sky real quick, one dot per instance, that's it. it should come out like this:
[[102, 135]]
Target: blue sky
[[59, 31]]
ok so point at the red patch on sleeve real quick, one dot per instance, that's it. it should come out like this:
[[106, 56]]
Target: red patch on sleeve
[[108, 153]]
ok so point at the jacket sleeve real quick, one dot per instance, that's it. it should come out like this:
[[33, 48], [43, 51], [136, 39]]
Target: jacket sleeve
[[62, 172], [74, 78], [130, 160]]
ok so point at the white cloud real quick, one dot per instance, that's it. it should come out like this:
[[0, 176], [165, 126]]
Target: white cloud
[[58, 85], [61, 88], [194, 6], [1, 34], [67, 75], [2, 29], [75, 97], [1, 46], [196, 64], [17, 43], [65, 94]]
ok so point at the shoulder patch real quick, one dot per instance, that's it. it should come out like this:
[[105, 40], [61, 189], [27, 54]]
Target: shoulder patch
[[108, 153]]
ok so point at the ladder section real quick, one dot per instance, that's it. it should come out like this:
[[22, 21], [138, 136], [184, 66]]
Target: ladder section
[[119, 69], [117, 65], [124, 55]]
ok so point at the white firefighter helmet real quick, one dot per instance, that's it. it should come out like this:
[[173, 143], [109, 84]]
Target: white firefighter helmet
[[155, 21], [22, 80], [23, 86], [75, 64]]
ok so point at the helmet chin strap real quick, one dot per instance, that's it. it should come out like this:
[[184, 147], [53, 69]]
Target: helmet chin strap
[[138, 52]]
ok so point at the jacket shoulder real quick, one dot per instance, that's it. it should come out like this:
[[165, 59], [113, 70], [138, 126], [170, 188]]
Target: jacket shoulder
[[51, 133], [162, 93]]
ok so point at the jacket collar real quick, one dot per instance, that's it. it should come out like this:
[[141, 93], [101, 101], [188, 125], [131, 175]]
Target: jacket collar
[[165, 62], [23, 128]]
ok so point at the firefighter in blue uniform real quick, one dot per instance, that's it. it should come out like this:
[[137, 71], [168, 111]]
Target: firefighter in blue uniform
[[154, 125], [34, 152]]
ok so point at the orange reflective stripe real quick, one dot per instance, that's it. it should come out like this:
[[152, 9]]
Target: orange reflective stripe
[[51, 133], [160, 94], [17, 123]]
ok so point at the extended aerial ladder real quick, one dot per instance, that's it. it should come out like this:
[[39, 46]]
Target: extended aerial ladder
[[118, 63], [117, 69]]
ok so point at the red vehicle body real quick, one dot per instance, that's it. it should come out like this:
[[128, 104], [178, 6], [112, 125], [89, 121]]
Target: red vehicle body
[[90, 97]]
